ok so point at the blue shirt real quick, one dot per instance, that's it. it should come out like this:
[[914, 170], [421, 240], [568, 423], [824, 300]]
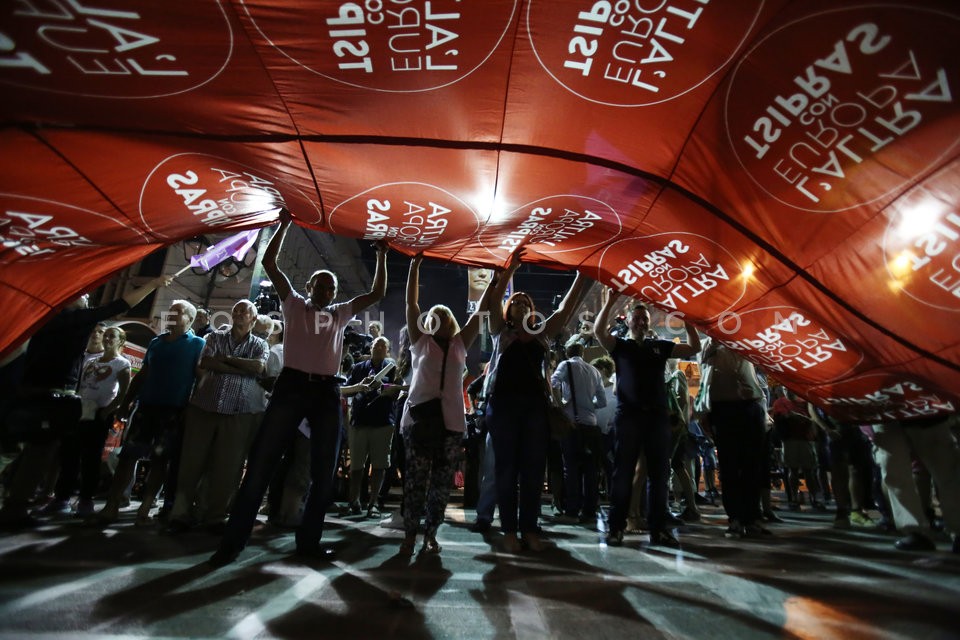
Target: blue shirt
[[172, 369]]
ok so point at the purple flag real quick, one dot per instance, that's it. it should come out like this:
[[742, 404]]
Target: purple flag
[[236, 246]]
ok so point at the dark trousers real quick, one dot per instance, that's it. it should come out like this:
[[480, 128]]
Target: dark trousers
[[738, 431], [850, 451], [157, 433], [581, 481], [648, 432], [81, 452], [518, 427], [294, 398]]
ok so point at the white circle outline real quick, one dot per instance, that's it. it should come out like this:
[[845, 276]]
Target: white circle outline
[[124, 225], [434, 245], [226, 61], [746, 56], [739, 270], [891, 375], [723, 64], [234, 163], [820, 326], [367, 88], [558, 251], [886, 258]]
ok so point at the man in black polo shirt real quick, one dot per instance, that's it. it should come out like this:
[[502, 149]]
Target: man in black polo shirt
[[642, 421]]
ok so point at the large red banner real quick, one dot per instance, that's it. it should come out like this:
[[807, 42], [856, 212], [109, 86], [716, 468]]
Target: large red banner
[[783, 174]]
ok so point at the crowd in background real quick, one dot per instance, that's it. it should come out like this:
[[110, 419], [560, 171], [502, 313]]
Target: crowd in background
[[295, 419]]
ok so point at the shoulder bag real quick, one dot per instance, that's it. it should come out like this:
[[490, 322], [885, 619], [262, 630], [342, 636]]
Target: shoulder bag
[[429, 431]]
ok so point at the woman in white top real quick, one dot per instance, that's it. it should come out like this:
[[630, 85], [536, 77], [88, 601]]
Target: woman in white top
[[438, 349], [103, 383]]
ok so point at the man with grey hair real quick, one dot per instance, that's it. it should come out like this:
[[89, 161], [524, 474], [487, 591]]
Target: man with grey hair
[[221, 421], [163, 385]]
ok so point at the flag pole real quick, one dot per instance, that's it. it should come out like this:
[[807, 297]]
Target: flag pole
[[181, 271]]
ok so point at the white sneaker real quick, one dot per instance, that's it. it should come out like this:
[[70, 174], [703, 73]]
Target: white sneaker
[[395, 521]]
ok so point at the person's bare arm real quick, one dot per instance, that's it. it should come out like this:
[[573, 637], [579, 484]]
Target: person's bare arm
[[601, 330], [133, 298], [687, 350], [133, 389], [232, 364], [363, 386], [496, 300], [412, 308], [379, 287], [568, 305], [281, 283]]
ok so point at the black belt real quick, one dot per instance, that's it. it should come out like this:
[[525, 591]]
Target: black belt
[[303, 376]]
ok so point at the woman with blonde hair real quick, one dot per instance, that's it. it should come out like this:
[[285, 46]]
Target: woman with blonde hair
[[438, 350]]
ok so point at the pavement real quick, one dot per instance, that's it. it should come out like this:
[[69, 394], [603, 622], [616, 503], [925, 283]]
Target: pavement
[[807, 580]]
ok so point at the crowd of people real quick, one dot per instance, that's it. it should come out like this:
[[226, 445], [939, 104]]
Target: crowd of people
[[250, 419]]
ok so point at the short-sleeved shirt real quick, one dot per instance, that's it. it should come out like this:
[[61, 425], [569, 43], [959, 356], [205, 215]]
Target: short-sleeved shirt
[[372, 409], [172, 369], [313, 337], [98, 382], [640, 368], [427, 364], [231, 393]]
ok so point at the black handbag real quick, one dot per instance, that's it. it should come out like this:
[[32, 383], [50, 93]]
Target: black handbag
[[42, 417], [428, 428]]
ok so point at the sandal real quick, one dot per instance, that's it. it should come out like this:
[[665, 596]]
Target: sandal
[[431, 546]]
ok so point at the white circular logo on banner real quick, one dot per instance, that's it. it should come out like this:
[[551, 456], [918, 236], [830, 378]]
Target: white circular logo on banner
[[788, 341], [111, 49], [188, 191], [637, 53], [553, 226], [389, 46], [40, 229], [862, 106], [677, 270], [409, 214], [879, 397], [921, 248]]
